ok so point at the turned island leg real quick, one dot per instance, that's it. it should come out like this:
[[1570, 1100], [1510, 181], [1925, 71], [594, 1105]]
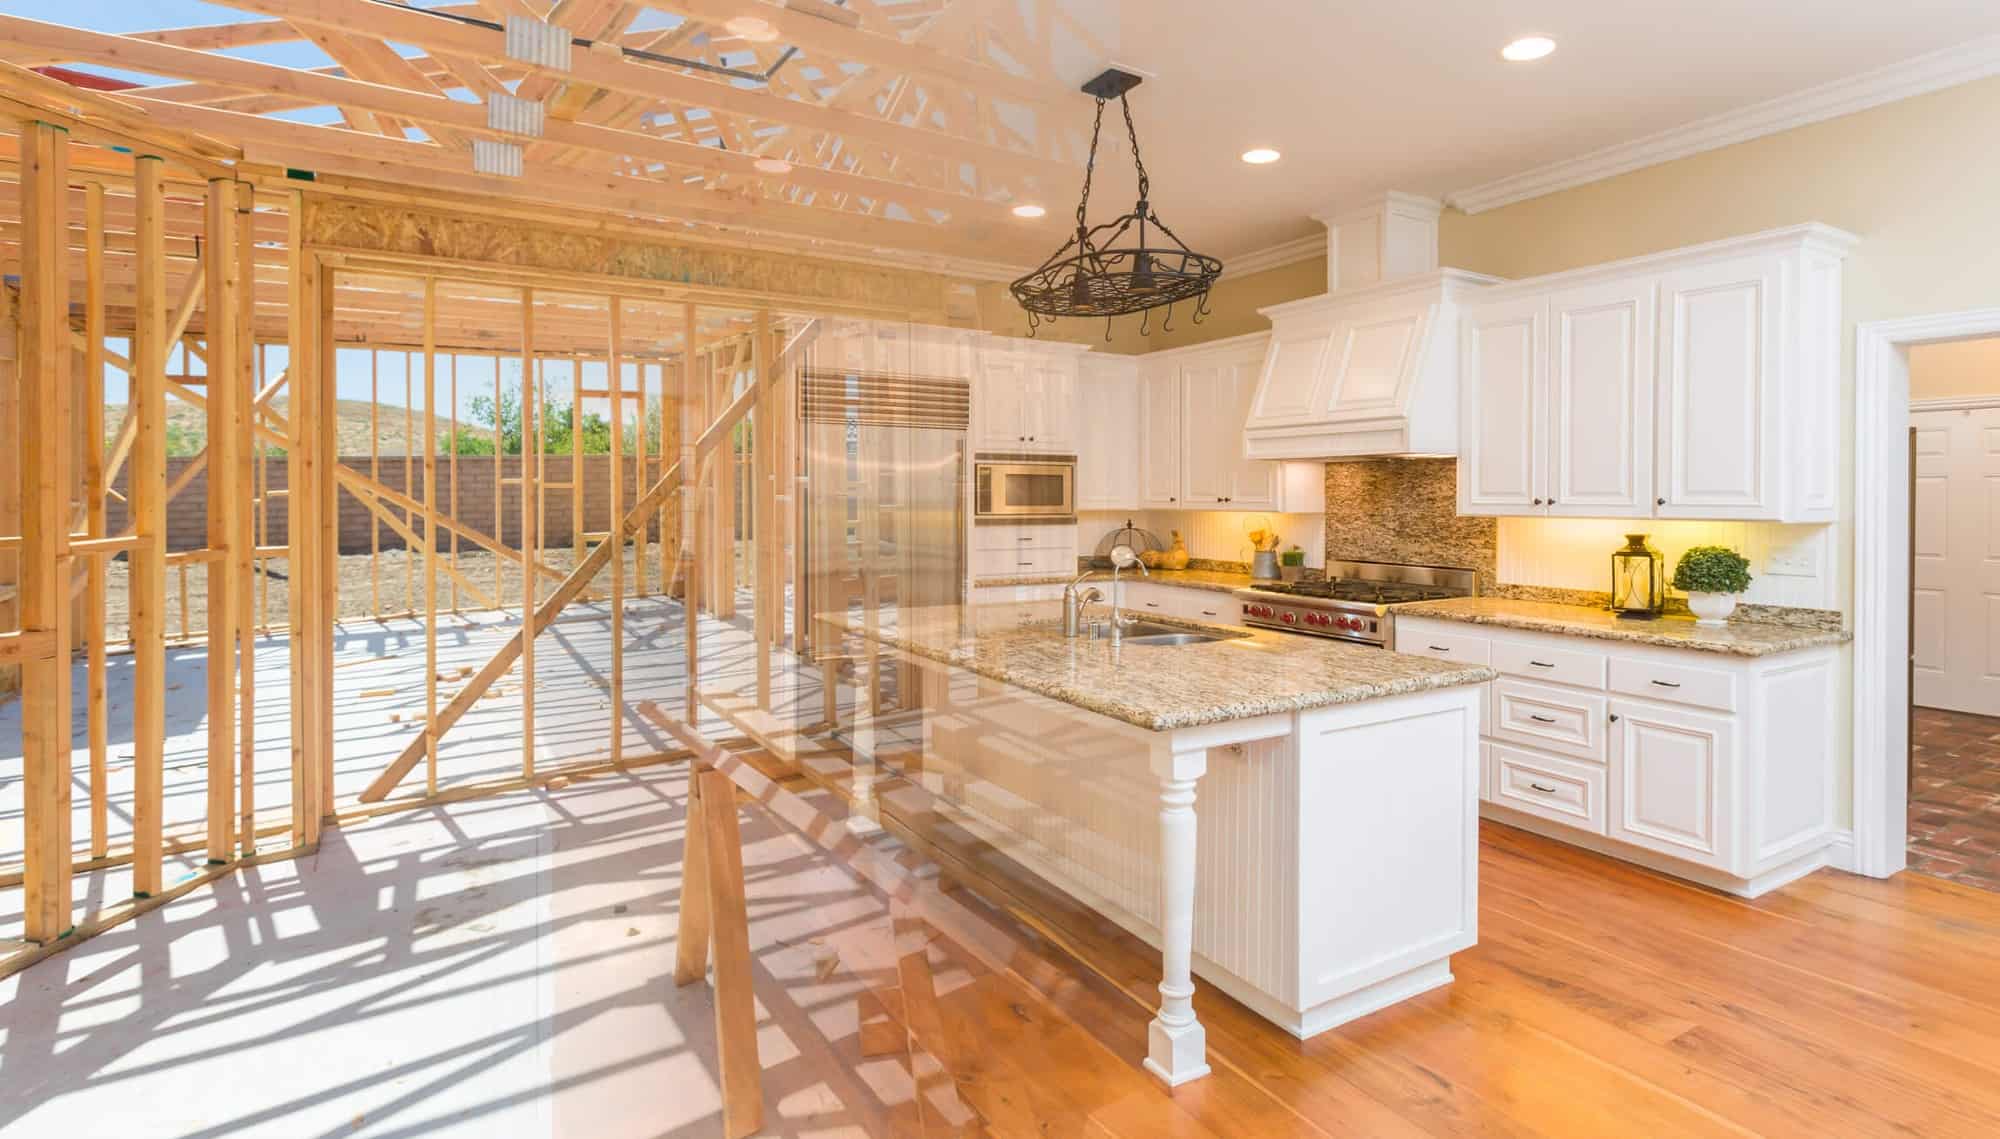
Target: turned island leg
[[1176, 1045]]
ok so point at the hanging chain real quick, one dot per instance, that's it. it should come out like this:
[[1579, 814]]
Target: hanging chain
[[1132, 132], [1089, 168]]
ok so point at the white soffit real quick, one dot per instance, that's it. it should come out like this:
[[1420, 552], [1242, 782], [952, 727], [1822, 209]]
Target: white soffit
[[1964, 63]]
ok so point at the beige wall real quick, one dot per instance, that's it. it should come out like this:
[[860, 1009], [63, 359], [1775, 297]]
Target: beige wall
[[1955, 370]]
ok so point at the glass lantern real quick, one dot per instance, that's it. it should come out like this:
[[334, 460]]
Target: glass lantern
[[1638, 579]]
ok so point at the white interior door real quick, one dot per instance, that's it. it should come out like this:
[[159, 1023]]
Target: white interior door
[[1956, 573]]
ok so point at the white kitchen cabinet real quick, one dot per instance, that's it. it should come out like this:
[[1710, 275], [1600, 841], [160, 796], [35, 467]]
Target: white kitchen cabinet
[[1700, 383], [1712, 767], [1195, 402], [1160, 446], [1668, 768], [1024, 399], [1557, 396], [1502, 385], [1190, 603], [1600, 400], [1722, 345], [1107, 453]]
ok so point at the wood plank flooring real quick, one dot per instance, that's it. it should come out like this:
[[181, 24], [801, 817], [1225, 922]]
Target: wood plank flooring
[[1602, 1000]]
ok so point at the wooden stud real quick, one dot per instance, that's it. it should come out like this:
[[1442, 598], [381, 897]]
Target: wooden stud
[[691, 511], [241, 380], [375, 473], [691, 938], [409, 475], [44, 460], [615, 382], [531, 479], [91, 391], [301, 527], [451, 460], [763, 504], [148, 576], [729, 930], [430, 537], [225, 508]]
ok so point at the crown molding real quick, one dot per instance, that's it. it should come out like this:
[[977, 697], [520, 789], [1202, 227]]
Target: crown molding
[[1964, 63], [1955, 403], [1271, 256]]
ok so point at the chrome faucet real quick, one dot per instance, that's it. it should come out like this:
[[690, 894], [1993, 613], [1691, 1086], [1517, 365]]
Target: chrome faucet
[[1122, 557], [1076, 601]]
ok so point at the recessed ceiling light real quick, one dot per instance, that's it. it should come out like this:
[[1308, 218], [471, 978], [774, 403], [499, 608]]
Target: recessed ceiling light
[[772, 166], [1527, 48], [1260, 156], [1028, 210], [755, 28]]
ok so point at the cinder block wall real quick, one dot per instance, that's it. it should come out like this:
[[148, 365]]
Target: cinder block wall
[[187, 514]]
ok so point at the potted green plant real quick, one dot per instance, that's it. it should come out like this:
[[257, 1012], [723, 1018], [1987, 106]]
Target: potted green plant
[[1712, 577], [1292, 562]]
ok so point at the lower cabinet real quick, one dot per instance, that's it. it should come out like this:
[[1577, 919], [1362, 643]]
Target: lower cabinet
[[1669, 767], [1715, 768]]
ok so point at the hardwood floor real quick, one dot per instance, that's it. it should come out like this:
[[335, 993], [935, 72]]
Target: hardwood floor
[[1955, 797], [1602, 1000]]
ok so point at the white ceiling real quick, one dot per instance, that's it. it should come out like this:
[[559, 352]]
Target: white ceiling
[[1365, 95]]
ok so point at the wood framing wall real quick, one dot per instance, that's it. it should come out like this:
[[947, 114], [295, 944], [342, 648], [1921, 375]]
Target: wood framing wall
[[203, 295]]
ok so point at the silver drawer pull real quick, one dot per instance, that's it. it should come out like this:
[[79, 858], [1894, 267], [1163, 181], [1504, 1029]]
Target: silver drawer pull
[[1666, 684], [1439, 649], [1542, 789], [1209, 613], [1152, 605], [1541, 719], [1024, 563], [1541, 664]]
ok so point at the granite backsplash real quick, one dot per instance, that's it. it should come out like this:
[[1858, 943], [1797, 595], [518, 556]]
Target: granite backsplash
[[1406, 510]]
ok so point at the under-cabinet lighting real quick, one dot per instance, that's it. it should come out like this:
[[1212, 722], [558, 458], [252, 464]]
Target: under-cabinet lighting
[[1527, 48]]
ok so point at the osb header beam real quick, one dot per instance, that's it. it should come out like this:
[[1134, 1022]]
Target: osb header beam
[[381, 235]]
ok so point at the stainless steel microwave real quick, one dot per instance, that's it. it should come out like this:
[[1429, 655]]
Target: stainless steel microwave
[[1018, 488]]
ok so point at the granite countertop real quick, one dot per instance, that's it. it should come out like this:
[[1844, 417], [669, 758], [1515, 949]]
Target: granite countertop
[[1162, 687], [1738, 638], [1219, 581]]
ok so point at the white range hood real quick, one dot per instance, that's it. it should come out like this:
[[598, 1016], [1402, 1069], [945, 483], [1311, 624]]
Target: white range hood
[[1371, 367]]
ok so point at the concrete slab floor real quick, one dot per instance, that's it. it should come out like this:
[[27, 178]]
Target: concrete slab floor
[[495, 967]]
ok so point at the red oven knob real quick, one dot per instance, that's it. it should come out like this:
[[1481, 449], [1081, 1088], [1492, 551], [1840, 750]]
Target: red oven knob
[[1319, 619], [1291, 618]]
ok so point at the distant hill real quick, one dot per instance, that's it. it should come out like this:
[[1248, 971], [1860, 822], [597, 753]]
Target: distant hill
[[187, 427]]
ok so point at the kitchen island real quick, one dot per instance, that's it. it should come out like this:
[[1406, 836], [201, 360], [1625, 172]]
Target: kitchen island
[[1336, 870]]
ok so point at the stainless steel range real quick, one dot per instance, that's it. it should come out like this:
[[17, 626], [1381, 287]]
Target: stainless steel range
[[1353, 603]]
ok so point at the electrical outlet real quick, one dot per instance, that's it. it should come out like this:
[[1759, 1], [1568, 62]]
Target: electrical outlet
[[1794, 559]]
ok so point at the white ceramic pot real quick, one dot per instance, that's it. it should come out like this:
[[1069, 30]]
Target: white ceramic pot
[[1711, 608]]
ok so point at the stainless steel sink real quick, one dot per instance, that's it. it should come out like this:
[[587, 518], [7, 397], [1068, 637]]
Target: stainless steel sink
[[1154, 633], [1175, 638]]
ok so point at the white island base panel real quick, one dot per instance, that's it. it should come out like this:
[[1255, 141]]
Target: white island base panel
[[1335, 868]]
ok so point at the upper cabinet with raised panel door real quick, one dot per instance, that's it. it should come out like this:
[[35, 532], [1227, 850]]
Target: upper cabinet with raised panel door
[[1194, 403], [1108, 460], [1159, 434], [1024, 399], [1700, 383]]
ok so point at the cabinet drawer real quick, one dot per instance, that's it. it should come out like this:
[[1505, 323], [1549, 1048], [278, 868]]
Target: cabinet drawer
[[1015, 537], [1025, 562], [1555, 719], [1553, 788], [1455, 647], [1676, 683], [1539, 661], [1210, 606]]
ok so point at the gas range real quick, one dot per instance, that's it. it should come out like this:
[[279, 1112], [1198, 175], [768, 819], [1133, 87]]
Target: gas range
[[1352, 604]]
